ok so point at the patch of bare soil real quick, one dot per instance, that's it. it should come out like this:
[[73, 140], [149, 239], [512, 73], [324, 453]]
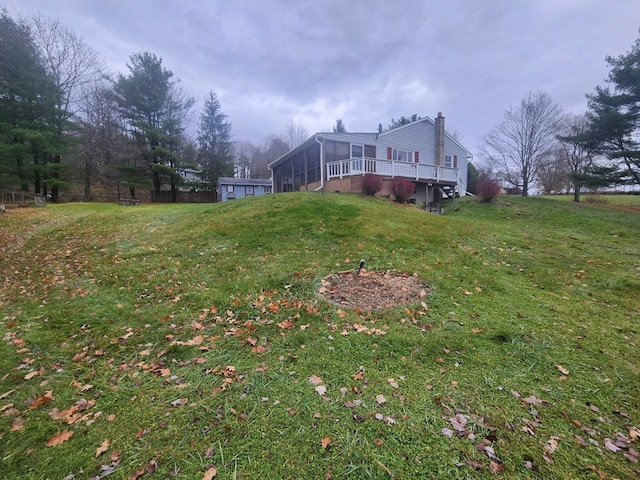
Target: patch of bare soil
[[369, 290]]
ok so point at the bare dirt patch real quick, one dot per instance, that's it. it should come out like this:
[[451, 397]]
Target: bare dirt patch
[[371, 290]]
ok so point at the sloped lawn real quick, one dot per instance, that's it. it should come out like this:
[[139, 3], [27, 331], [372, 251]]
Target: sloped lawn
[[191, 341]]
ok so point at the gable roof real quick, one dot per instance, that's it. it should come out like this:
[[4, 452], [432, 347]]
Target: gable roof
[[432, 122]]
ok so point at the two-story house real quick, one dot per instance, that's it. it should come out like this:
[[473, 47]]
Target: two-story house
[[421, 151]]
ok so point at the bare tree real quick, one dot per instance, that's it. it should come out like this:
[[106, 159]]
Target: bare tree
[[246, 155], [553, 174], [455, 134], [273, 148], [295, 134], [103, 145], [73, 66], [578, 149], [516, 147]]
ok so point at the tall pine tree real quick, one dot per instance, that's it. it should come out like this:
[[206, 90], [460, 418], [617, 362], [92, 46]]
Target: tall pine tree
[[27, 107], [143, 96], [214, 141], [614, 112]]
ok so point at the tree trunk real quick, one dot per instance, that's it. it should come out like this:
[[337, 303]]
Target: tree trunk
[[87, 180], [576, 193], [55, 188]]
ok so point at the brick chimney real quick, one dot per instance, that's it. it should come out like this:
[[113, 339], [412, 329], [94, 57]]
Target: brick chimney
[[439, 140]]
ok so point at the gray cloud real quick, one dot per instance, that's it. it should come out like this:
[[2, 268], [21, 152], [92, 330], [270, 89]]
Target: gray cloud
[[362, 61]]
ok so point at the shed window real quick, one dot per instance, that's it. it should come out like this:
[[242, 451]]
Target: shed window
[[229, 188], [249, 190]]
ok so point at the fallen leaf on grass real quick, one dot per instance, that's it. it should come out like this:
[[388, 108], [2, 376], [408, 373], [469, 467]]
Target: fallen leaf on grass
[[286, 324], [447, 432], [597, 471], [104, 446], [562, 370], [35, 373], [315, 380], [6, 394], [210, 473], [321, 389], [151, 467], [17, 425], [496, 468], [43, 399], [78, 357], [532, 400], [611, 446], [380, 399], [59, 438], [326, 441]]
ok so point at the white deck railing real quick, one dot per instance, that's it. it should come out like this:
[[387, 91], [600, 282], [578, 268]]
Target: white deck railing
[[390, 168]]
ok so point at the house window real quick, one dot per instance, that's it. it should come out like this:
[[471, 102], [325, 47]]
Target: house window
[[451, 161], [249, 190], [267, 189], [402, 156], [229, 188], [357, 151]]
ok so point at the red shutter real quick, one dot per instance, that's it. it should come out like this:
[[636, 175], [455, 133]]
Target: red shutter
[[388, 153], [417, 157], [455, 161]]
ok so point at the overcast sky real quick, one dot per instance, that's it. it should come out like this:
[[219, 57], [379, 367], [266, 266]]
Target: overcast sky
[[364, 61]]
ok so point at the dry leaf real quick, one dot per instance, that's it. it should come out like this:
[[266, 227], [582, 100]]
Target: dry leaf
[[285, 324], [597, 471], [562, 370], [315, 380], [321, 389], [496, 468], [380, 399], [326, 441], [43, 399], [104, 446], [17, 425], [209, 474], [78, 357], [59, 438], [611, 446]]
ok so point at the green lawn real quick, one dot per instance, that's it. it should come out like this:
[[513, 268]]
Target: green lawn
[[607, 199], [189, 341]]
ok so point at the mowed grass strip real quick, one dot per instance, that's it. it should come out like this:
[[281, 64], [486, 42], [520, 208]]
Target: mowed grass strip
[[187, 341]]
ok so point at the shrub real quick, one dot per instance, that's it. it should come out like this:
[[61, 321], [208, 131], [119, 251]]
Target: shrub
[[487, 189], [402, 189], [371, 184]]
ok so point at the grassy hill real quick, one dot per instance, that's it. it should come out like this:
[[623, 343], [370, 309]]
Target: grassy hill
[[189, 341]]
